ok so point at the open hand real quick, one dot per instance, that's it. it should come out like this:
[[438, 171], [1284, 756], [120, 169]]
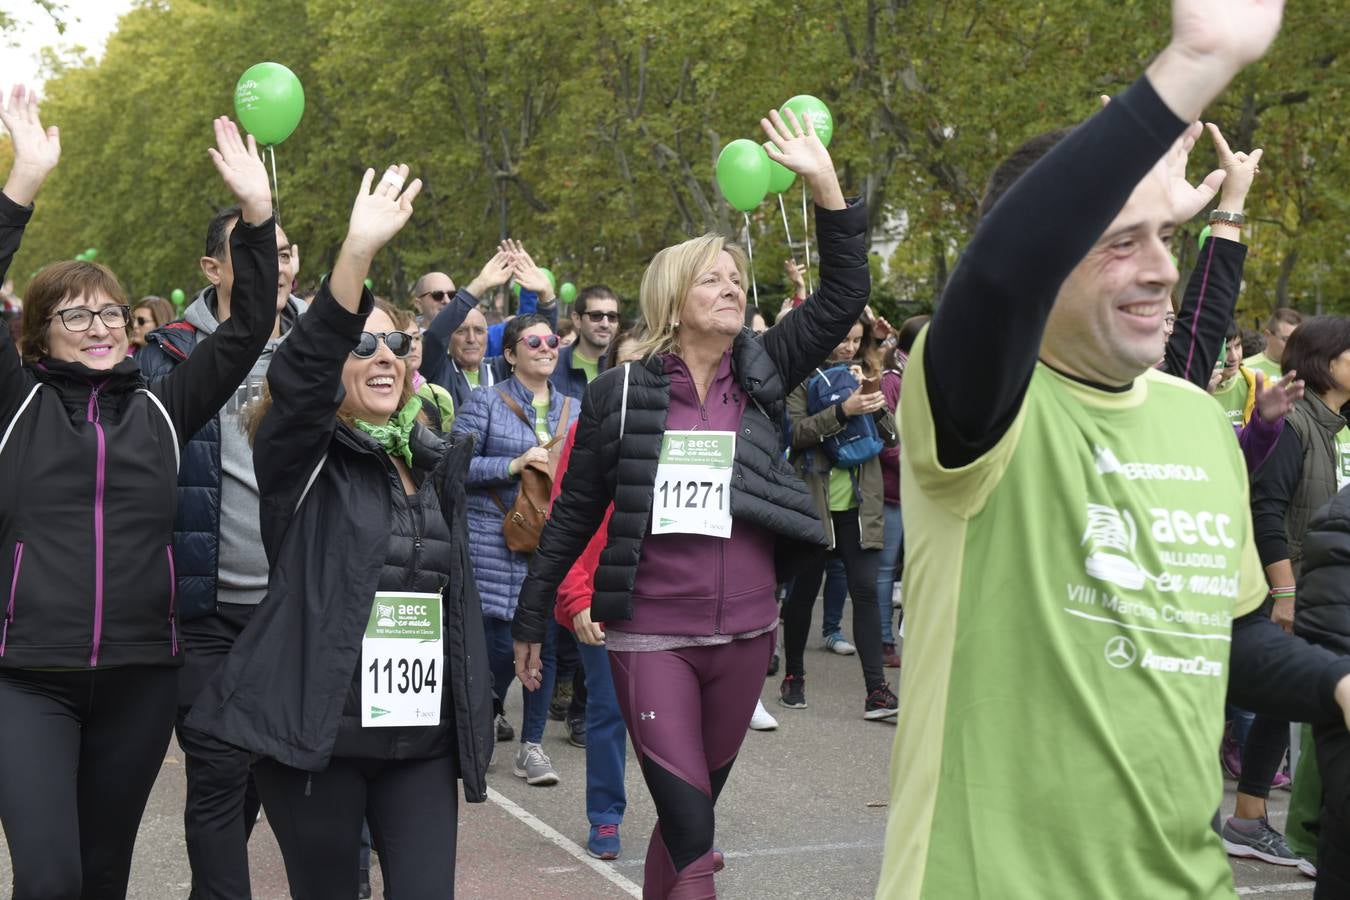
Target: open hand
[[795, 145], [495, 273], [796, 274], [1276, 399], [242, 170], [1237, 32], [37, 150], [527, 274], [380, 213]]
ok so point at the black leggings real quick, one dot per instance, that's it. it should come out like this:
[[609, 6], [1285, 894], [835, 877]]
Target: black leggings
[[1262, 754], [412, 808], [79, 753], [860, 567]]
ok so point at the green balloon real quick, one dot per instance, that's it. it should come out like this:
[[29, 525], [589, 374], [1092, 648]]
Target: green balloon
[[80, 257], [178, 297], [743, 174], [515, 289], [568, 292], [370, 285], [807, 107], [552, 280], [780, 176], [1204, 235], [91, 254], [269, 102]]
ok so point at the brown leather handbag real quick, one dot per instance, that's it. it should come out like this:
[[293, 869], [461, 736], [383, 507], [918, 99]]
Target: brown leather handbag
[[524, 521]]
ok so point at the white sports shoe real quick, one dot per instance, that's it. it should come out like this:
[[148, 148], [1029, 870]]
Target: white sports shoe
[[761, 720]]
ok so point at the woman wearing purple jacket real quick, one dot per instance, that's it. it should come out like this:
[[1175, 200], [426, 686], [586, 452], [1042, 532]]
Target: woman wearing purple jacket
[[687, 444]]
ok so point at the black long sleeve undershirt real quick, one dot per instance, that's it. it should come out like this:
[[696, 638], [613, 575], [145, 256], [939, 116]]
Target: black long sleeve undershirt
[[1273, 486], [1206, 309], [999, 297]]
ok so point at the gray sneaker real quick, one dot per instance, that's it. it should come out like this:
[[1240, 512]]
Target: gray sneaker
[[534, 766], [1262, 842]]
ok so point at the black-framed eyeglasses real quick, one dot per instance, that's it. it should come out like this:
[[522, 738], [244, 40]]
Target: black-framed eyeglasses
[[598, 317], [398, 342], [438, 296], [80, 318], [534, 341]]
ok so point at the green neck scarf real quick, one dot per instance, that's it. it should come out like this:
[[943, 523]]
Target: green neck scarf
[[393, 437]]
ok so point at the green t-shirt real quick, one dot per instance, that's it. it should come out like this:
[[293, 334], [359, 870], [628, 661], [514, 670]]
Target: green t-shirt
[[1071, 594], [471, 377], [541, 419], [1265, 364], [1233, 397], [589, 366], [1342, 458], [842, 496]]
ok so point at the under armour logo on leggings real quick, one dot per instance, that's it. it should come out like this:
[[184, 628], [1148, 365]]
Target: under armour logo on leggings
[[647, 715]]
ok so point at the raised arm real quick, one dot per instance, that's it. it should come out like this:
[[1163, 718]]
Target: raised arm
[[36, 152], [1212, 291], [801, 341], [305, 377], [436, 337]]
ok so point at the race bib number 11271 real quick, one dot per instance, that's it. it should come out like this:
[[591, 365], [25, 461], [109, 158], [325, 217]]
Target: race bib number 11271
[[692, 493]]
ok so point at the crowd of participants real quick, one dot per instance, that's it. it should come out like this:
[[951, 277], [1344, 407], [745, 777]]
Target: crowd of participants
[[227, 524]]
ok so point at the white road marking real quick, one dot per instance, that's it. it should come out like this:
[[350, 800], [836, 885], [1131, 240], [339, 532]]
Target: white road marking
[[555, 837], [781, 851], [1286, 888]]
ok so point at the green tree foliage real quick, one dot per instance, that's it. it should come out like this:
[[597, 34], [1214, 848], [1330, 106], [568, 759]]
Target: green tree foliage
[[589, 128]]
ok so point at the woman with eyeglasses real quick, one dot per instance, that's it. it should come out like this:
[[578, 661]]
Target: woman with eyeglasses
[[149, 314], [513, 422], [362, 681], [88, 469]]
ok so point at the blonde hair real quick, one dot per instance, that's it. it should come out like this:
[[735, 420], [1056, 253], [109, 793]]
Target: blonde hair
[[668, 280]]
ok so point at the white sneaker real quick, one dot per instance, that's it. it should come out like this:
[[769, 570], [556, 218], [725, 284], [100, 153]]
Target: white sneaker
[[839, 644], [761, 720]]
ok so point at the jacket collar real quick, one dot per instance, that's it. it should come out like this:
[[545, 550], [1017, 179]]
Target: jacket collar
[[1326, 417], [750, 364], [125, 376]]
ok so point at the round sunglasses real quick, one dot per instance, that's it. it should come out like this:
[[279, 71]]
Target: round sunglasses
[[398, 342], [534, 341]]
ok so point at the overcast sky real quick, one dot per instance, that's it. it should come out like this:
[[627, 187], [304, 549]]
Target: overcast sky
[[88, 24]]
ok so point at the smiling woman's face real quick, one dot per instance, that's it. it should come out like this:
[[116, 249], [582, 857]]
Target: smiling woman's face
[[374, 385], [101, 347]]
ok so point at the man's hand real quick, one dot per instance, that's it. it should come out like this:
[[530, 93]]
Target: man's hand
[[529, 667], [1240, 170], [1283, 613], [495, 273], [1275, 400], [797, 275], [36, 150], [800, 150], [1187, 199], [242, 170], [586, 631], [530, 276]]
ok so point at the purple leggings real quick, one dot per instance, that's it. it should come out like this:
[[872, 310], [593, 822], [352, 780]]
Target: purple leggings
[[687, 711]]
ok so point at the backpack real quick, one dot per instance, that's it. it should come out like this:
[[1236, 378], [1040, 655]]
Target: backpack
[[859, 441]]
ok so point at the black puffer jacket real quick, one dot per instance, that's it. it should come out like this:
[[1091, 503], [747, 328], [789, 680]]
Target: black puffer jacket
[[765, 491], [327, 516]]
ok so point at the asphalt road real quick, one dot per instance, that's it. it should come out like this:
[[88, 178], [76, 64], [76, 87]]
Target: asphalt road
[[803, 815]]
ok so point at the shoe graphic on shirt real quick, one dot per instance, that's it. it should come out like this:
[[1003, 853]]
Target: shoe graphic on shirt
[[1111, 536]]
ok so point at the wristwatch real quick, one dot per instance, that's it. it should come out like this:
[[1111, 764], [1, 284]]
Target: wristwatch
[[1227, 218]]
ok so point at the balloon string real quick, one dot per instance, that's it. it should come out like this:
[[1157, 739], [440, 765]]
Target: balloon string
[[750, 249], [786, 230], [806, 239], [276, 188]]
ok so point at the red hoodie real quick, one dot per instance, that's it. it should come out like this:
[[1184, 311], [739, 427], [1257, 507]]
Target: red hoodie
[[574, 594]]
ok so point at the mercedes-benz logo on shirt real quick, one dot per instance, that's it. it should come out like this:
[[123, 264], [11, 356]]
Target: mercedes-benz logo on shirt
[[1121, 652]]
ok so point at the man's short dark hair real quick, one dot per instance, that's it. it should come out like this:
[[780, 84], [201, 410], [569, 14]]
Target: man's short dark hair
[[1283, 315], [1313, 346], [1233, 332], [1252, 342], [218, 232], [592, 292], [1016, 165]]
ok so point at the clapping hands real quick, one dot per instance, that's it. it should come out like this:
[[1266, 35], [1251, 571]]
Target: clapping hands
[[526, 273]]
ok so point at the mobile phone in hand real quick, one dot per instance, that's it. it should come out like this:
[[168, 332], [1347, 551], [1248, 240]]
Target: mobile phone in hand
[[870, 385]]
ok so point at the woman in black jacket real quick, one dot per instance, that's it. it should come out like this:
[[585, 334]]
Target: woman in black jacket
[[688, 446], [88, 461], [1322, 617], [362, 680]]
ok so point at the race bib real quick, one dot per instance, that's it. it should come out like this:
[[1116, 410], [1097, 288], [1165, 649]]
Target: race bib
[[693, 483], [402, 661]]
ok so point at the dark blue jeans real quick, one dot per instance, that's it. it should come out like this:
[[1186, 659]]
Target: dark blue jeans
[[502, 662], [606, 740]]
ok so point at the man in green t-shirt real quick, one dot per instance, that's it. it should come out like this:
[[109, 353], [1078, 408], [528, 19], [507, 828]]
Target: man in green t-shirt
[[1279, 326], [1082, 587], [595, 317], [1236, 390]]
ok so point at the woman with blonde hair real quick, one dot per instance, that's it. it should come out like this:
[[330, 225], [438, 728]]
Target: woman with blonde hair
[[687, 444]]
